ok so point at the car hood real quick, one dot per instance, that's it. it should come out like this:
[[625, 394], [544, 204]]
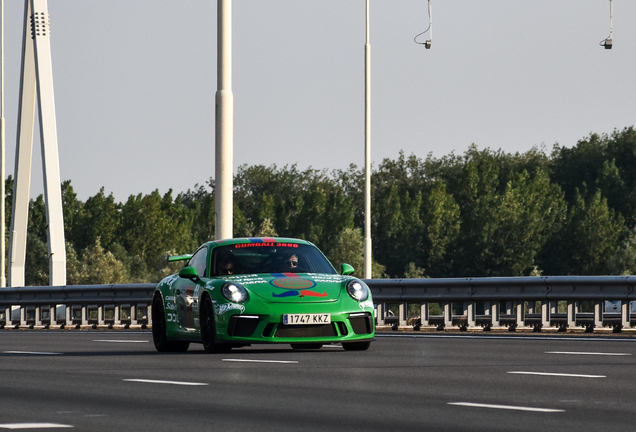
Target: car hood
[[293, 287]]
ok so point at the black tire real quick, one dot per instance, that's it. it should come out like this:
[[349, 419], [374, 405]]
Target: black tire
[[208, 329], [162, 344], [306, 346], [356, 346]]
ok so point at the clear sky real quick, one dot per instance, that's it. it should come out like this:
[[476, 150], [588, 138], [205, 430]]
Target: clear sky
[[135, 83]]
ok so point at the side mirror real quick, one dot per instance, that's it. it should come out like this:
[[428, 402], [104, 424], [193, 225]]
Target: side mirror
[[346, 269], [189, 273]]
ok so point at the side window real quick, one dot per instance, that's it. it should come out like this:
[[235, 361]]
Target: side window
[[200, 261]]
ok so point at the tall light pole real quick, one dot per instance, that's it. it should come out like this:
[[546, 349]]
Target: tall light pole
[[3, 279], [367, 151], [224, 135]]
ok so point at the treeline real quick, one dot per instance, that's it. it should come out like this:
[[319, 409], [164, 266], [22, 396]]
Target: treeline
[[483, 213]]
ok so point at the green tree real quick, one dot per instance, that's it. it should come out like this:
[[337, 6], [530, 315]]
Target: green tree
[[588, 241], [95, 267], [143, 228], [99, 218], [350, 249]]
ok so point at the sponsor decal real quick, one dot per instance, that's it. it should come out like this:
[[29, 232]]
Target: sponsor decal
[[172, 317], [247, 279], [226, 307], [264, 242], [248, 245], [171, 306], [328, 278], [169, 298], [293, 283], [170, 280], [295, 286]]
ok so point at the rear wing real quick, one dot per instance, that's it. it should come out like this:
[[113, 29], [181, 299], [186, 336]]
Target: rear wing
[[170, 259]]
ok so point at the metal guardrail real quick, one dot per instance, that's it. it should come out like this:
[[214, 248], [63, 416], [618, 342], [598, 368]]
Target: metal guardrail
[[77, 305], [507, 301], [512, 302]]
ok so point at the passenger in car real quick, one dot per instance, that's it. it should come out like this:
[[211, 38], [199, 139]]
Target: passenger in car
[[290, 264]]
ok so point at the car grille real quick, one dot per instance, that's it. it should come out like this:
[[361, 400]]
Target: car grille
[[308, 331], [361, 324], [242, 327]]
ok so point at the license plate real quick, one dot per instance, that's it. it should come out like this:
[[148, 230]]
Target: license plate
[[306, 318]]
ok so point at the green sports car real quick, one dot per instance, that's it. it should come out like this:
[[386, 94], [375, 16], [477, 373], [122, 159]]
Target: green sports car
[[233, 293]]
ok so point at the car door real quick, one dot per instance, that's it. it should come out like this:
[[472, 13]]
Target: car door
[[187, 293]]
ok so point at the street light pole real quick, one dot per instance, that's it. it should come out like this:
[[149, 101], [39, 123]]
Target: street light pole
[[3, 269], [224, 135], [367, 151]]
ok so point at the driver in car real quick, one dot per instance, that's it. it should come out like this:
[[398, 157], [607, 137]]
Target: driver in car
[[226, 264]]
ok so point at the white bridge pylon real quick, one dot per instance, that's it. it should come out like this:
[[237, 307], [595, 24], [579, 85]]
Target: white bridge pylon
[[37, 80]]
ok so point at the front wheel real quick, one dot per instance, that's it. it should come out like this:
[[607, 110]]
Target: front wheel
[[208, 329], [356, 346], [162, 344]]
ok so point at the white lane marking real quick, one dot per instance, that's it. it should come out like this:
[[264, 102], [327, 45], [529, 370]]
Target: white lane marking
[[120, 341], [587, 353], [259, 361], [476, 336], [31, 352], [559, 374], [166, 382], [506, 407], [33, 426]]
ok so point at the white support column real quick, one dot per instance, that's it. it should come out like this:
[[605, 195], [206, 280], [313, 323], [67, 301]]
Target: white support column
[[224, 134], [37, 74], [52, 315], [472, 314], [402, 314], [598, 314], [68, 314], [521, 313], [448, 314], [494, 313], [425, 314], [48, 137], [545, 314], [3, 164], [368, 271], [23, 157], [380, 311], [571, 313], [626, 314]]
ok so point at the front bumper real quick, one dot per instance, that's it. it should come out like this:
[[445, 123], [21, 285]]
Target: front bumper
[[346, 326]]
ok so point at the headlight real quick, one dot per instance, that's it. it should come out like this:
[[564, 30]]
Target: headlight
[[358, 290], [234, 292]]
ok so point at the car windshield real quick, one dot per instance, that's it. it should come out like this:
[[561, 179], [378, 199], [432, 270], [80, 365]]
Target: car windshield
[[248, 258]]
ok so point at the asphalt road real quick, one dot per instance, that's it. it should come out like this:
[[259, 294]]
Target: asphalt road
[[106, 381]]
